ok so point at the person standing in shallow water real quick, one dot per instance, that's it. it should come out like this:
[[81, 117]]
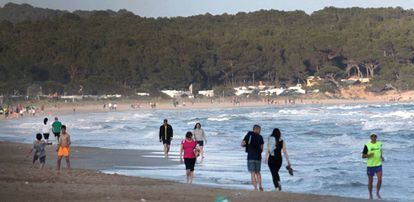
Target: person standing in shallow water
[[46, 130], [56, 125], [200, 137], [188, 150], [166, 136], [253, 142], [373, 153], [275, 146]]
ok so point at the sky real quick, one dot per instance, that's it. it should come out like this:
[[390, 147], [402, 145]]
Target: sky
[[173, 8]]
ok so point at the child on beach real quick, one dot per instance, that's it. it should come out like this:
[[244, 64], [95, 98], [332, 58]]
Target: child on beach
[[46, 129], [39, 151], [189, 152], [63, 148]]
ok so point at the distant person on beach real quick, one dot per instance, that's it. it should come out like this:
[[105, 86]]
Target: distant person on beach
[[200, 137], [275, 146], [189, 151], [63, 148], [253, 142], [166, 136], [373, 152], [46, 129], [39, 151], [56, 125]]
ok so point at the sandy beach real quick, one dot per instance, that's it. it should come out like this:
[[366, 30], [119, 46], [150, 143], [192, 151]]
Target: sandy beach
[[20, 182], [60, 108]]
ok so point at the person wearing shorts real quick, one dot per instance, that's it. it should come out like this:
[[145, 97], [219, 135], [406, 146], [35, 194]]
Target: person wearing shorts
[[200, 137], [56, 125], [63, 149], [166, 135], [45, 129], [39, 151], [188, 151], [253, 142], [373, 153]]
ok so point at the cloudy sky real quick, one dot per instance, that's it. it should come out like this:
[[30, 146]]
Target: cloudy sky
[[171, 8]]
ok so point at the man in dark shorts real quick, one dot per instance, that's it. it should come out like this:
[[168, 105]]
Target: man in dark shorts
[[166, 136], [253, 142], [373, 152], [56, 129]]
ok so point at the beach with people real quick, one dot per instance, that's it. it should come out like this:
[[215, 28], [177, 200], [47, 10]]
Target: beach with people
[[84, 182], [154, 100], [324, 143]]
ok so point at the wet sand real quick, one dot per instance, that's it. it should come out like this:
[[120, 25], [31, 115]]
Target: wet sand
[[20, 182]]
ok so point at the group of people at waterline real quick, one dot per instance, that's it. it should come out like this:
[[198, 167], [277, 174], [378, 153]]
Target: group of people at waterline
[[192, 146], [62, 139]]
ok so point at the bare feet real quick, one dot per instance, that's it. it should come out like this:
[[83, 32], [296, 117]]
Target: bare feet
[[378, 196], [261, 188]]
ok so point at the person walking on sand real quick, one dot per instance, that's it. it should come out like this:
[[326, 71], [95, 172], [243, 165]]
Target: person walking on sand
[[201, 139], [373, 153], [166, 136], [189, 151], [46, 129], [253, 142], [39, 151], [63, 148], [56, 125], [273, 158]]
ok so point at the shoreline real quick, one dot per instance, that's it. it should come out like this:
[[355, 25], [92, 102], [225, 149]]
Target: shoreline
[[62, 108], [85, 183]]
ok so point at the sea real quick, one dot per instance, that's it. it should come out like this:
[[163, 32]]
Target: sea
[[324, 143]]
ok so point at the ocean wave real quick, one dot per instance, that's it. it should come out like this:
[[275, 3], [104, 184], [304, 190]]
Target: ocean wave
[[141, 115], [294, 112], [347, 107], [219, 119], [345, 140], [225, 180], [396, 114], [387, 126], [340, 183]]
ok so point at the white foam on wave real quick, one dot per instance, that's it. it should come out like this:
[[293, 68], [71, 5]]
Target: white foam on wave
[[387, 125], [294, 112], [396, 114], [347, 107], [218, 119]]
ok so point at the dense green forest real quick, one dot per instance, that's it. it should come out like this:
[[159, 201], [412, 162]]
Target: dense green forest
[[108, 52]]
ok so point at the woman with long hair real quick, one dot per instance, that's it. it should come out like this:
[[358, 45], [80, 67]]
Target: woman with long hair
[[275, 146], [200, 137]]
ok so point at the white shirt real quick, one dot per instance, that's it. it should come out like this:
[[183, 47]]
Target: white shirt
[[45, 128]]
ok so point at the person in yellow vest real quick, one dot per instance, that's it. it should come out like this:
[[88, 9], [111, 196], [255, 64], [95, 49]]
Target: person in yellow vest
[[373, 153]]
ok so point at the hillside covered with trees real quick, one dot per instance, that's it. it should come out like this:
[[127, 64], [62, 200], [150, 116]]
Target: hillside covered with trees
[[119, 52]]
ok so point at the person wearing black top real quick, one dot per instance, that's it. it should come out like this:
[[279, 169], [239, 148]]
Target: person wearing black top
[[166, 136], [253, 142], [275, 146]]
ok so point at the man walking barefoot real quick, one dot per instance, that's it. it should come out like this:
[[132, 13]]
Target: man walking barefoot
[[63, 147], [166, 135], [373, 152], [253, 142]]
